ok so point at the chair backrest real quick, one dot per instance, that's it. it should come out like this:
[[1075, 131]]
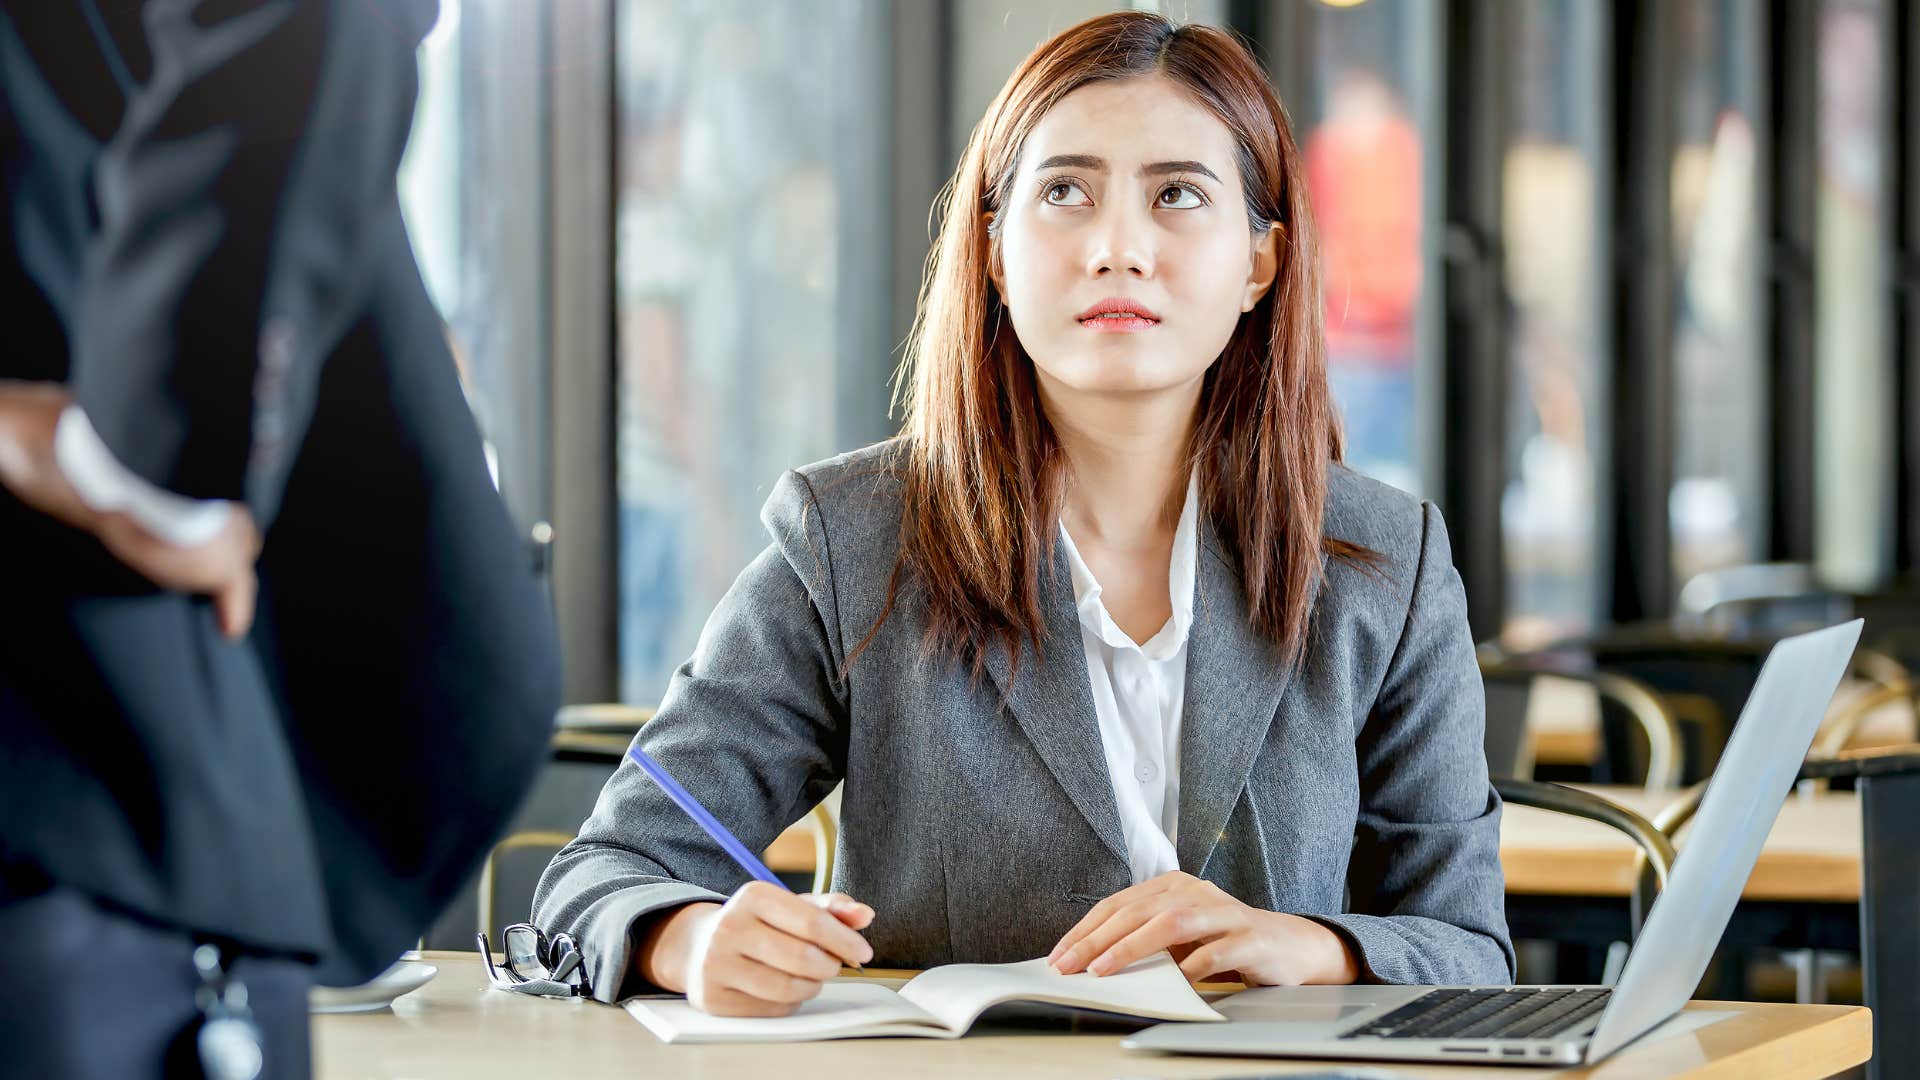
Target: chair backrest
[[1893, 621], [1658, 728], [1656, 848], [1654, 758], [1756, 581], [1703, 682], [1509, 750], [1879, 682], [1767, 600]]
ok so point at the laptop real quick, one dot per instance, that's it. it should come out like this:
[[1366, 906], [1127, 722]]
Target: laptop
[[1569, 1025]]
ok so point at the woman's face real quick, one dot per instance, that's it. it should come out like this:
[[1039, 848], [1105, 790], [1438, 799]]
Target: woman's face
[[1127, 198]]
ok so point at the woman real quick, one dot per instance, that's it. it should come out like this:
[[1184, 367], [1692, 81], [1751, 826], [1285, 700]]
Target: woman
[[1111, 654]]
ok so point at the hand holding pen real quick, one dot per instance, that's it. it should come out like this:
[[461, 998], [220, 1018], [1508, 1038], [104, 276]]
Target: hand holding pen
[[766, 950]]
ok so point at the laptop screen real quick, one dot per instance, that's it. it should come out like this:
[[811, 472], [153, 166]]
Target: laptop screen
[[1762, 758]]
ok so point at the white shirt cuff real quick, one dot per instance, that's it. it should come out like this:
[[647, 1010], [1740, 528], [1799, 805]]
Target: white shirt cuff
[[108, 486]]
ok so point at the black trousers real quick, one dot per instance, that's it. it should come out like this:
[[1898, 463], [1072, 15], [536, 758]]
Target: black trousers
[[92, 992]]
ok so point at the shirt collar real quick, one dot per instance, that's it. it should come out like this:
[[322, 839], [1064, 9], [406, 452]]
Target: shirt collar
[[1180, 576]]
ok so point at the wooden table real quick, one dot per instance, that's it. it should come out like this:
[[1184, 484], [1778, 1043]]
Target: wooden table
[[1563, 721], [1812, 855], [456, 1028]]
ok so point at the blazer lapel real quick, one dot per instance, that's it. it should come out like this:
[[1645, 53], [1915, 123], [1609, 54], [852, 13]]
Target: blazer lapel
[[1236, 684], [1052, 700]]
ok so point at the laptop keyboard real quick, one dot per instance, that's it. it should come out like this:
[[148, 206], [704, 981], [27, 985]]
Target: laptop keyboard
[[1486, 1014]]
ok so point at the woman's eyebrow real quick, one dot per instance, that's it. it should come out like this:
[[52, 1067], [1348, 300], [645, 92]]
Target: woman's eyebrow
[[1162, 168], [1074, 161], [1099, 164]]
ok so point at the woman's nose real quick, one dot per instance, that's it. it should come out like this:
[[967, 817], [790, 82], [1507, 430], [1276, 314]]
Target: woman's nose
[[1121, 245]]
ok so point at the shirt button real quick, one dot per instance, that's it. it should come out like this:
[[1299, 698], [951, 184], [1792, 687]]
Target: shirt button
[[1145, 772]]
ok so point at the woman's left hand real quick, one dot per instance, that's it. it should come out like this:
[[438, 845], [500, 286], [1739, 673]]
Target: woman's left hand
[[1210, 933]]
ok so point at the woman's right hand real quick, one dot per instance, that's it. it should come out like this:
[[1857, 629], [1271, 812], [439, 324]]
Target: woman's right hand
[[762, 953]]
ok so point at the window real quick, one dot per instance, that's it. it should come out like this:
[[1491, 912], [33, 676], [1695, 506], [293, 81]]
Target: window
[[1717, 506], [743, 273], [1854, 410], [474, 202], [1555, 275], [1364, 141]]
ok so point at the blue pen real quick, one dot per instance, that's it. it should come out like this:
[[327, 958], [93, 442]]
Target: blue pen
[[721, 835], [727, 841]]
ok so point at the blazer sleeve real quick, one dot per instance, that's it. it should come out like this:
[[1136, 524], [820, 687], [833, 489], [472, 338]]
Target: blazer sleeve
[[1426, 896], [754, 726], [237, 205]]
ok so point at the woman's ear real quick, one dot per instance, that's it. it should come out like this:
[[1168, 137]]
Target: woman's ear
[[1266, 265], [995, 272]]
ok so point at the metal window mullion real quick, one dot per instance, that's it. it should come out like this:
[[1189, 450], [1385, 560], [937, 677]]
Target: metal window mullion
[[580, 179], [1902, 261], [1473, 360], [1641, 412], [919, 70], [1285, 29], [1787, 182]]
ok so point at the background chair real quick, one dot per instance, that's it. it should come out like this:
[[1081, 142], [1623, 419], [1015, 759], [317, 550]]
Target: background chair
[[1893, 620], [1761, 600], [1656, 849], [1704, 683], [1654, 757], [1766, 601]]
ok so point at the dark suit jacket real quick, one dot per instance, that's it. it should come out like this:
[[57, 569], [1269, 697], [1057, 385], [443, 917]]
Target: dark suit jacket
[[207, 247], [977, 816]]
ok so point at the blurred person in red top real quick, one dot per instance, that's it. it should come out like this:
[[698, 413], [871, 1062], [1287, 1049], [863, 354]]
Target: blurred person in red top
[[1363, 174]]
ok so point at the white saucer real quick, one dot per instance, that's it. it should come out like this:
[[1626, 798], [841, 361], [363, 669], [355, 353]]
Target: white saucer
[[403, 977]]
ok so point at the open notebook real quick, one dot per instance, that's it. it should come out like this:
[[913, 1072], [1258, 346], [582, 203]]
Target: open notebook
[[939, 1003]]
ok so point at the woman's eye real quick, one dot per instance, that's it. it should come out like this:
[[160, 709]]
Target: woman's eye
[[1060, 193], [1175, 197]]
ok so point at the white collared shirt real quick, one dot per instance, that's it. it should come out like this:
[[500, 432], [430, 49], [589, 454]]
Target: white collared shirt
[[1139, 691]]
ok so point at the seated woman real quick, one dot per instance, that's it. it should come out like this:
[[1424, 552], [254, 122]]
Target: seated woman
[[1110, 652]]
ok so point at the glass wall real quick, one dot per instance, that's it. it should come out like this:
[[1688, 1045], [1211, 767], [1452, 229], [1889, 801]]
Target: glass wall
[[1854, 412], [1556, 425], [1365, 140], [475, 205], [1718, 503], [987, 39], [741, 129]]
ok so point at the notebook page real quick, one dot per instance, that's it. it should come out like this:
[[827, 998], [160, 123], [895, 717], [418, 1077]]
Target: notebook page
[[843, 1010], [956, 994]]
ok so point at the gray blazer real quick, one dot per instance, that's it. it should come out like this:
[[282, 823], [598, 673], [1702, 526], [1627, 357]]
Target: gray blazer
[[1352, 790]]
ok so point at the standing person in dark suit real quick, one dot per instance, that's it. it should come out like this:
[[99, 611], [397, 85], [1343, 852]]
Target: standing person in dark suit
[[273, 667]]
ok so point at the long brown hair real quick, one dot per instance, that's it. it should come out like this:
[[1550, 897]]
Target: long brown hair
[[983, 474]]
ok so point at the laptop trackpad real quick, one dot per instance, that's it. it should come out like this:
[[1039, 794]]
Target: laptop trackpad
[[1312, 1011], [1280, 1012]]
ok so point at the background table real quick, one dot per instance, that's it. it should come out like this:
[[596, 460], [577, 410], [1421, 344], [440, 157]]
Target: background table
[[1811, 855], [1568, 879]]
